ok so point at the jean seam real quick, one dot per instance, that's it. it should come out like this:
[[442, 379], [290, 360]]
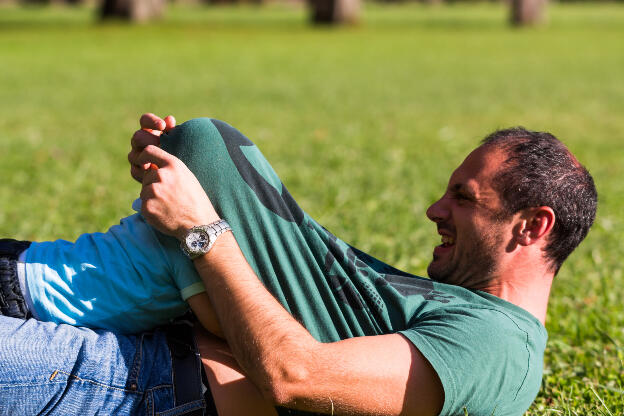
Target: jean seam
[[150, 403], [31, 384], [136, 365], [184, 408], [172, 375], [97, 383]]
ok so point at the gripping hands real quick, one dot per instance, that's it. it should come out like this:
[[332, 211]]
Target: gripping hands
[[172, 198], [152, 127]]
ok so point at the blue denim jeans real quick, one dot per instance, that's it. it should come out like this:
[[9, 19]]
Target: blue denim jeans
[[50, 369]]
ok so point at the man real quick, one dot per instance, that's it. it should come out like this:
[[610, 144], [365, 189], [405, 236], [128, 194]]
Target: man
[[390, 343]]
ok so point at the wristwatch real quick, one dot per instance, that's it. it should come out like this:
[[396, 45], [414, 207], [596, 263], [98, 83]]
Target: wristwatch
[[199, 239]]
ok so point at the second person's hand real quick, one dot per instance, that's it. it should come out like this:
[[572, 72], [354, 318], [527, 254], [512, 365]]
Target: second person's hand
[[152, 127]]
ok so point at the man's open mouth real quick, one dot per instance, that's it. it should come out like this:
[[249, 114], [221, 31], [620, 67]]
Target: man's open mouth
[[448, 241], [447, 245]]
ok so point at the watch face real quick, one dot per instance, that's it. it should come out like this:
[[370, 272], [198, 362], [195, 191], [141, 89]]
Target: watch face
[[197, 241]]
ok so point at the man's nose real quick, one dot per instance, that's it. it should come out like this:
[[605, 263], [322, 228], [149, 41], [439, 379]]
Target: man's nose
[[438, 211]]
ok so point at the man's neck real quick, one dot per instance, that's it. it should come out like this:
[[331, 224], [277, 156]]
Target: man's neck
[[527, 288]]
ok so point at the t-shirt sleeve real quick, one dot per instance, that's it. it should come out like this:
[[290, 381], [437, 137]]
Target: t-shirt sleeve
[[184, 274], [187, 279], [183, 271], [485, 360]]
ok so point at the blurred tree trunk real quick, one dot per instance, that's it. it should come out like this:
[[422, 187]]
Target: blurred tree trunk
[[527, 12], [334, 11], [66, 2], [133, 10]]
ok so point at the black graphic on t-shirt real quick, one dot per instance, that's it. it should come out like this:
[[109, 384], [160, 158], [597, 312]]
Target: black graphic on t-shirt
[[355, 263], [341, 284], [406, 284], [282, 203], [413, 285]]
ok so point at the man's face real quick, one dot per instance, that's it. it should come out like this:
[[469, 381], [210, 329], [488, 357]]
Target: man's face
[[473, 240]]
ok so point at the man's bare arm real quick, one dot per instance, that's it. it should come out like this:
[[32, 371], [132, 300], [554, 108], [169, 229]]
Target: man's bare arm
[[233, 393], [367, 375], [202, 308]]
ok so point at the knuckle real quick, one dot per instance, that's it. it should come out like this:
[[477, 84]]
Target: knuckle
[[157, 191], [136, 173], [149, 207], [135, 141], [138, 140], [178, 163], [148, 190], [146, 119], [147, 137]]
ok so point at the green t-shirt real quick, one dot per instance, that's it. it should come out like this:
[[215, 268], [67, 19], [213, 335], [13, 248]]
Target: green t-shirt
[[487, 352]]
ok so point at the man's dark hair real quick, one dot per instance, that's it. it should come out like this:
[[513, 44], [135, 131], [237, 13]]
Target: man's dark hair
[[541, 171]]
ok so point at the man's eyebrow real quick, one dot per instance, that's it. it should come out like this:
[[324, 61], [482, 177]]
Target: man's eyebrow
[[460, 188]]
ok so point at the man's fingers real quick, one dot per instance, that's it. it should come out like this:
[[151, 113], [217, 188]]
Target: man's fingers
[[147, 192], [154, 155], [142, 138], [137, 173], [148, 136], [152, 122], [133, 158], [137, 166], [149, 177], [170, 123]]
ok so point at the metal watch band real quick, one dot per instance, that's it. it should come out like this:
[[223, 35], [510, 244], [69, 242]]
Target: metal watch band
[[214, 230], [219, 227]]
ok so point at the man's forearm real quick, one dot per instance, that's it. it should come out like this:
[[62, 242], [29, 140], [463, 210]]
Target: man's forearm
[[270, 345]]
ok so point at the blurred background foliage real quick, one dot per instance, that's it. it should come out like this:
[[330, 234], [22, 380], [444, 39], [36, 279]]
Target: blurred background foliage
[[521, 12], [363, 122]]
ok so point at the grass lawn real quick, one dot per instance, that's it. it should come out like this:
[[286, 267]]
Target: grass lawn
[[363, 124]]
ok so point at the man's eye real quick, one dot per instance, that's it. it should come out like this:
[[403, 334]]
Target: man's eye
[[462, 197]]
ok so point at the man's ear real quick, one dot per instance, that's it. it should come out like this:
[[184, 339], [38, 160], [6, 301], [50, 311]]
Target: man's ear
[[535, 224]]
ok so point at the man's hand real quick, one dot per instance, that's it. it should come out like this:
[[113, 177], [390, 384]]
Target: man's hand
[[152, 127], [173, 200]]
